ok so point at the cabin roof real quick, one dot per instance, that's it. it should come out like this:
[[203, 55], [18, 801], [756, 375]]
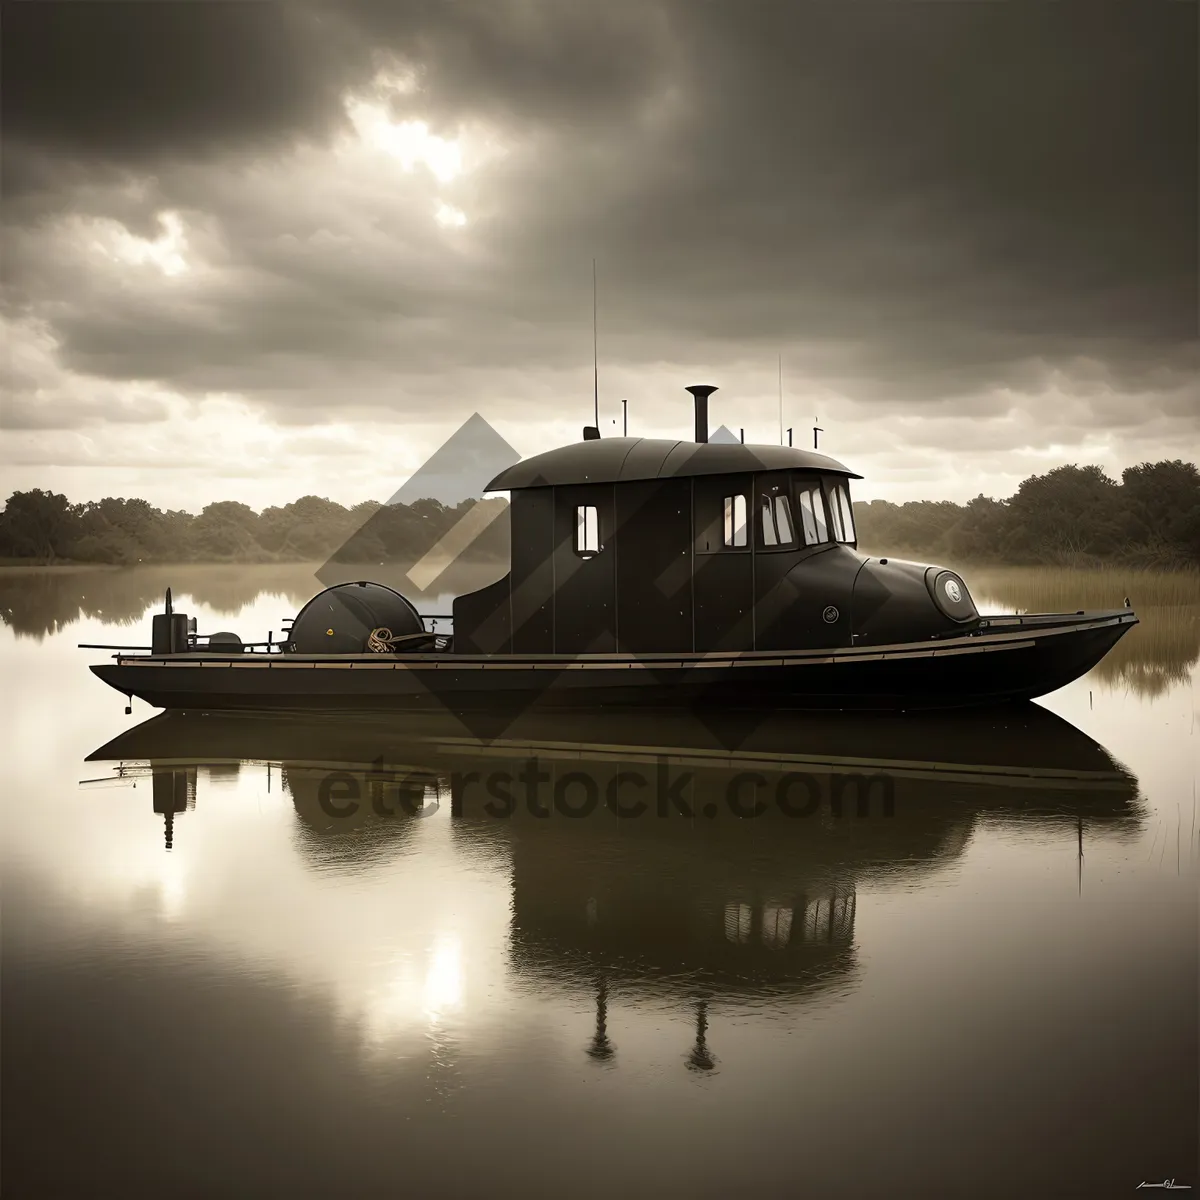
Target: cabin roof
[[620, 460]]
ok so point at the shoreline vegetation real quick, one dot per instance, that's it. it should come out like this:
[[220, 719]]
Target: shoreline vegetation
[[1070, 517], [40, 528]]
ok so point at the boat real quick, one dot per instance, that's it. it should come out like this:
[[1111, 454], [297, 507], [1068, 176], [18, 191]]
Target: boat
[[646, 572]]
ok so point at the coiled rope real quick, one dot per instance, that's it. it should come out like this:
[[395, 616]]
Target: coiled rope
[[381, 641], [384, 641]]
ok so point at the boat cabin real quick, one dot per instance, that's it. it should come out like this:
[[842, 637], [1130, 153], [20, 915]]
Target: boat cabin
[[637, 545]]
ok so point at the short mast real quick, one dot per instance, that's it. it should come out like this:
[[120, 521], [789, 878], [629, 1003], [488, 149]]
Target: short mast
[[781, 399]]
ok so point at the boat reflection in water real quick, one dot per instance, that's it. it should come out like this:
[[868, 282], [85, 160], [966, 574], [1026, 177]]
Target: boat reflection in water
[[645, 855]]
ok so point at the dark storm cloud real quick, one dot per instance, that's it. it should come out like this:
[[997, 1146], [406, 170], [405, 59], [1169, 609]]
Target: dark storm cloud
[[925, 177], [580, 65], [127, 81], [938, 199]]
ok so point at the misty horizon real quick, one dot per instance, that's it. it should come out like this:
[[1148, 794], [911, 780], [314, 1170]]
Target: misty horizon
[[1069, 516]]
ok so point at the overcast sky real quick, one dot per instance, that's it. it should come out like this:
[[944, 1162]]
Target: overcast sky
[[253, 251]]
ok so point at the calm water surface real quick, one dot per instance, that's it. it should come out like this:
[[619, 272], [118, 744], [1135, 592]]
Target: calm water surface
[[991, 992]]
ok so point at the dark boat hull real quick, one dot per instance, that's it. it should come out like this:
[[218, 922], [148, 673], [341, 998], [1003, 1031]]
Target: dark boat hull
[[1012, 659]]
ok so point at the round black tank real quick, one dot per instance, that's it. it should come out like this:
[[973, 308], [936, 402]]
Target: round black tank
[[340, 619]]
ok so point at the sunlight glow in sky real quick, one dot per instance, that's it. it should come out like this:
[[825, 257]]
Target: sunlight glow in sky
[[165, 252], [412, 144], [409, 141], [449, 216]]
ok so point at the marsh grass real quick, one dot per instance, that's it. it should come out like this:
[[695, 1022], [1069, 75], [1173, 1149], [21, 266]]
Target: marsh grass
[[1068, 589], [1155, 655]]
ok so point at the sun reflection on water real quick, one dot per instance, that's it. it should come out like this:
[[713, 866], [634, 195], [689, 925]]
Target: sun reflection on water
[[417, 993]]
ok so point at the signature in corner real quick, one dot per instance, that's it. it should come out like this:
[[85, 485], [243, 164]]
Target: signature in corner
[[1166, 1183]]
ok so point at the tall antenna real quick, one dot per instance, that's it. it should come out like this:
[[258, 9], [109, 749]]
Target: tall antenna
[[781, 399], [595, 354]]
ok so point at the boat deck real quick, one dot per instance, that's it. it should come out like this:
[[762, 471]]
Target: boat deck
[[992, 634]]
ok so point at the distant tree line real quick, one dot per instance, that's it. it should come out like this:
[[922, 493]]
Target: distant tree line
[[1069, 516], [46, 527]]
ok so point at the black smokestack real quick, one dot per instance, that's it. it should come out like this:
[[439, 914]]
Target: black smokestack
[[701, 393]]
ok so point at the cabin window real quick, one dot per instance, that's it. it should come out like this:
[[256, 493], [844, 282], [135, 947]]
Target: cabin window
[[722, 514], [841, 514], [812, 516], [777, 527], [735, 521], [587, 531]]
